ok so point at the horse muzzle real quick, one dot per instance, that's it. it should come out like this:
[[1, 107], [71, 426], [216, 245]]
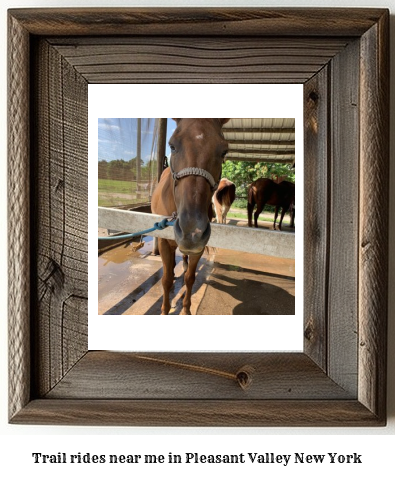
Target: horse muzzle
[[193, 239]]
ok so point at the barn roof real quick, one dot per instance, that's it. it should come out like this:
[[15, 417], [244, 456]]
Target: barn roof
[[270, 140]]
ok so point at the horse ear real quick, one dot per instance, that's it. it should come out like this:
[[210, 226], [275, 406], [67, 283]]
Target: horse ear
[[223, 121]]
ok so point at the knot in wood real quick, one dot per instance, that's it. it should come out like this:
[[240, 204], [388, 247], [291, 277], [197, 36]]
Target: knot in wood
[[313, 96], [244, 376]]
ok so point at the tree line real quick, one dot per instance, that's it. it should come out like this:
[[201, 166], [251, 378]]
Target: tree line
[[120, 169], [243, 173]]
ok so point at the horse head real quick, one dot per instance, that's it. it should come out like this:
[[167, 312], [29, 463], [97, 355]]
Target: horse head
[[198, 149]]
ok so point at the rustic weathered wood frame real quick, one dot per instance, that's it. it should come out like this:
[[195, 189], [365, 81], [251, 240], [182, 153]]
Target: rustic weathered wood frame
[[340, 378]]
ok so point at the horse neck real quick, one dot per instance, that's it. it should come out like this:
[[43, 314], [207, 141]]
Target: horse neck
[[163, 202]]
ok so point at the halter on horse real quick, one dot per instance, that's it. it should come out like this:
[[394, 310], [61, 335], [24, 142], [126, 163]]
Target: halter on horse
[[198, 150]]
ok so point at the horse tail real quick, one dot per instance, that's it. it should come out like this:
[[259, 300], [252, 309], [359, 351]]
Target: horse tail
[[219, 194], [251, 199], [231, 194], [227, 194], [250, 204]]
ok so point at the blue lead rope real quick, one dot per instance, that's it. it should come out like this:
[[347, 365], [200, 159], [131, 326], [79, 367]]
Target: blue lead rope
[[158, 226]]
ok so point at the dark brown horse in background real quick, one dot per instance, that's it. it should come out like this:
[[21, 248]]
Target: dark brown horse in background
[[223, 199], [265, 191], [198, 149]]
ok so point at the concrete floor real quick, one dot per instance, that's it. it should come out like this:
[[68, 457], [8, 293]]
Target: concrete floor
[[227, 283]]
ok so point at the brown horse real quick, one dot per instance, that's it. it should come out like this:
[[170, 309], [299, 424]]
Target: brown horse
[[223, 199], [265, 191], [198, 149]]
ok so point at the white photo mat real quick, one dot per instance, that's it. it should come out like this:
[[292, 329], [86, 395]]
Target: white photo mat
[[250, 333]]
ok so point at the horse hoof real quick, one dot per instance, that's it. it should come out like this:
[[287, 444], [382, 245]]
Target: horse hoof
[[185, 312]]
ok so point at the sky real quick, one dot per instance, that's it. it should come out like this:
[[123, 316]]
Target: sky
[[117, 138]]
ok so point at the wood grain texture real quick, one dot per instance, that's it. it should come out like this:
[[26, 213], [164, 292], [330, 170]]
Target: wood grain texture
[[261, 22], [344, 215], [316, 215], [373, 228], [61, 198], [196, 376], [202, 413], [211, 59], [52, 275], [18, 218]]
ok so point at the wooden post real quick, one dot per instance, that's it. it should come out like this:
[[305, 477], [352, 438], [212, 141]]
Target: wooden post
[[162, 132], [138, 158], [161, 151]]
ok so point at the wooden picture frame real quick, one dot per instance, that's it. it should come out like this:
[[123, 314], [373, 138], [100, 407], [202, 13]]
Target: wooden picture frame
[[342, 58]]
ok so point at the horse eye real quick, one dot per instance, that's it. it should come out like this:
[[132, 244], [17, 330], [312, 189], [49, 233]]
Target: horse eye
[[172, 148]]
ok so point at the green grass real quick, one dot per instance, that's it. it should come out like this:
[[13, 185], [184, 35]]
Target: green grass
[[112, 192], [105, 201], [262, 217], [115, 186]]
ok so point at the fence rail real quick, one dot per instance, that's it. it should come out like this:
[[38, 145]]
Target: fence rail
[[243, 239]]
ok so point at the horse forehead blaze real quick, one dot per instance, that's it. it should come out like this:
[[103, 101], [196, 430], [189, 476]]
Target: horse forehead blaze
[[195, 128]]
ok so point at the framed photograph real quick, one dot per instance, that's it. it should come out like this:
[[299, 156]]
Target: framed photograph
[[243, 275], [341, 57]]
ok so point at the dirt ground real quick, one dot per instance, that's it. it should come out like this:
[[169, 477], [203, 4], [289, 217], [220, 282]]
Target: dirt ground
[[227, 282]]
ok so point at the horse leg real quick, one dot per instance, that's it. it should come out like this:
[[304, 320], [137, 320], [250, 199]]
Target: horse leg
[[282, 216], [275, 218], [220, 217], [189, 279], [217, 209], [185, 262], [224, 213], [259, 209], [292, 224], [167, 253], [250, 209]]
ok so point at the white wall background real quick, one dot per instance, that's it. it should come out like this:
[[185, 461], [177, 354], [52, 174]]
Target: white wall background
[[21, 441]]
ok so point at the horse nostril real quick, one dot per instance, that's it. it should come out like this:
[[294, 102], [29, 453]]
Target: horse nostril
[[204, 234], [192, 237], [178, 233]]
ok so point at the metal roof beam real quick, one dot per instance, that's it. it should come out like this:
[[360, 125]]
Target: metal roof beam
[[258, 130], [262, 142], [273, 152]]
